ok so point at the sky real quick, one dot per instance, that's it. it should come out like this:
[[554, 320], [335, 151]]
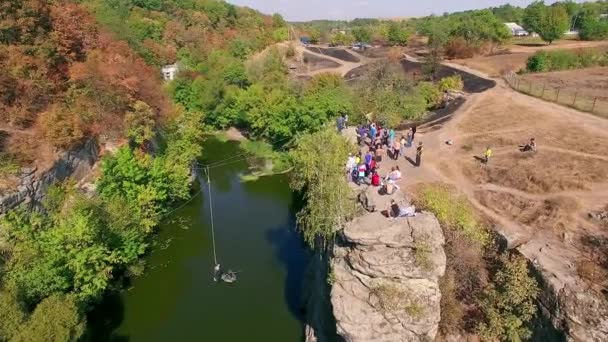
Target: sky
[[304, 10]]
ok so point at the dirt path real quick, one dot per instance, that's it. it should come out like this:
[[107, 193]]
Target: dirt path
[[448, 164], [343, 69]]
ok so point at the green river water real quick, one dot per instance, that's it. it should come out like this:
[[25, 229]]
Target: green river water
[[177, 300]]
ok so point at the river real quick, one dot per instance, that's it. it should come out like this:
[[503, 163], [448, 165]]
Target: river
[[176, 299]]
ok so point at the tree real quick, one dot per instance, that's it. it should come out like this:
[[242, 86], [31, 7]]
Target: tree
[[341, 39], [57, 318], [508, 303], [139, 123], [550, 22], [397, 35], [533, 16], [278, 21], [12, 313], [362, 34], [593, 28], [328, 203], [554, 24]]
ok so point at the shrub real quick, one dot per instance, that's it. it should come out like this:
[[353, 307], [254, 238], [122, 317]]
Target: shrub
[[8, 165], [393, 299], [61, 127], [453, 82], [556, 60], [538, 62], [453, 211], [593, 28], [459, 47], [431, 94], [508, 303]]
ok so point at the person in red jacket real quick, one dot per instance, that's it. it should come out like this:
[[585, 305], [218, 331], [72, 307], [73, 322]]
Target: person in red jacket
[[376, 179]]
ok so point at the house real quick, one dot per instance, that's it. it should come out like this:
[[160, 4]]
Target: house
[[170, 71], [516, 30]]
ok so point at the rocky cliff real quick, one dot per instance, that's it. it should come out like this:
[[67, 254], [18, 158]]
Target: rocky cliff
[[33, 183], [383, 279]]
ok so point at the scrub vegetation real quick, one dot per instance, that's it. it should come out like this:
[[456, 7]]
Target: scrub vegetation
[[484, 291]]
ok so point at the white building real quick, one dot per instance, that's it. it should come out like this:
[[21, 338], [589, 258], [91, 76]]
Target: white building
[[170, 71], [516, 29]]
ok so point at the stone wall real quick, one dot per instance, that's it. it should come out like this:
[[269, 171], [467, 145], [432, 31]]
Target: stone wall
[[33, 184]]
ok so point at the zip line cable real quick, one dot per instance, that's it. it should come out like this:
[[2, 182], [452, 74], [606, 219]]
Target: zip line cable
[[211, 216]]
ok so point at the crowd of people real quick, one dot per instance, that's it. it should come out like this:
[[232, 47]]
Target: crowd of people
[[379, 143]]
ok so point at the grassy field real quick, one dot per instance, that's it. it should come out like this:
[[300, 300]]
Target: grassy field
[[583, 89]]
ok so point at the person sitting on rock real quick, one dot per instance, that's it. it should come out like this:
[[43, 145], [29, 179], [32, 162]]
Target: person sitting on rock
[[395, 210], [529, 147]]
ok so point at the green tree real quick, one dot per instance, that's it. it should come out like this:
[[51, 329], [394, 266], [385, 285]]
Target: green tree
[[397, 35], [592, 27], [139, 123], [12, 313], [550, 22], [533, 16], [328, 198], [508, 303], [57, 319], [278, 21], [554, 24], [362, 34]]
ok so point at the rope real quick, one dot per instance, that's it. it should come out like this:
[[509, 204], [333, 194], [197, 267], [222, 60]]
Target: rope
[[211, 216]]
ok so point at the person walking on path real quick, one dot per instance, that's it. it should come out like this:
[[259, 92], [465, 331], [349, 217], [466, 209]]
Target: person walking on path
[[403, 145], [414, 128], [419, 154], [409, 138], [487, 155], [396, 149]]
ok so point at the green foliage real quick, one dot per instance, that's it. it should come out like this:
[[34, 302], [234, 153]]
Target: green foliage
[[593, 28], [12, 313], [362, 34], [508, 304], [139, 123], [431, 94], [56, 318], [319, 174], [556, 60], [397, 34], [8, 165], [453, 82], [481, 26], [342, 39], [550, 22], [453, 211], [508, 13]]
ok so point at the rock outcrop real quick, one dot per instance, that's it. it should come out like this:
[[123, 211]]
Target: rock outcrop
[[383, 278], [33, 184]]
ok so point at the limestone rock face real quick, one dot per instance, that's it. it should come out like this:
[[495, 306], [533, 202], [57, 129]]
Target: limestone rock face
[[385, 277], [76, 164]]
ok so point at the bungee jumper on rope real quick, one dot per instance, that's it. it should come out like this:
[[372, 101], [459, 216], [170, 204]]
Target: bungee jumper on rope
[[228, 276]]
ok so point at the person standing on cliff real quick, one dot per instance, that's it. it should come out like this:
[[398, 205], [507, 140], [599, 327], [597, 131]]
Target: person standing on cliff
[[419, 154]]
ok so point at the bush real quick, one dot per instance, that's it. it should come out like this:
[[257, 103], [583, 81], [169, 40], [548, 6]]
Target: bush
[[8, 165], [508, 303], [538, 62], [453, 82], [557, 60], [453, 211], [430, 93], [593, 28], [459, 47]]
